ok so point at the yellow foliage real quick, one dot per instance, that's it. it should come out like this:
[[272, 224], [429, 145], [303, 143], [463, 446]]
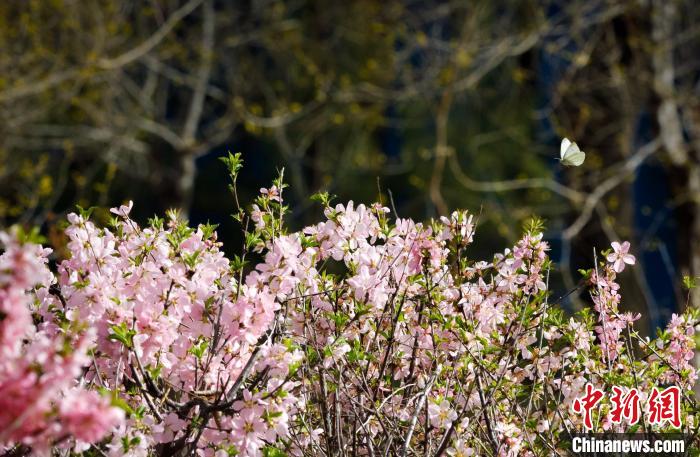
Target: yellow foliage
[[45, 186]]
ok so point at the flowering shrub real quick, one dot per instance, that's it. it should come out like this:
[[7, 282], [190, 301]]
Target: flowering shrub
[[41, 404], [177, 334], [358, 335]]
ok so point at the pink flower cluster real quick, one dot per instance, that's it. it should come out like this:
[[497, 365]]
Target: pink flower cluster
[[353, 336], [408, 327], [679, 351], [606, 299], [177, 335], [42, 404], [420, 347]]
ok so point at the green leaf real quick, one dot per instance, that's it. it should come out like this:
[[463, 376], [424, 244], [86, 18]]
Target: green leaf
[[199, 349], [324, 198], [270, 451], [85, 213], [32, 236], [689, 282], [122, 334], [233, 163], [208, 230]]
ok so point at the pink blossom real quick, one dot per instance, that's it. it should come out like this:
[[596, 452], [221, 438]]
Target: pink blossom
[[441, 414], [323, 346], [620, 256], [88, 416]]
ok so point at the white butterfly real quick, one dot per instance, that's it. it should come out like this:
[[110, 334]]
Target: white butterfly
[[571, 155]]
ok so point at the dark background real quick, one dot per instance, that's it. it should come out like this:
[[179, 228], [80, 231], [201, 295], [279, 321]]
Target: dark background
[[450, 104]]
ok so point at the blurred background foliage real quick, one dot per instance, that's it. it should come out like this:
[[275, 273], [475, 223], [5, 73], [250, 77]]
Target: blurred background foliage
[[435, 105]]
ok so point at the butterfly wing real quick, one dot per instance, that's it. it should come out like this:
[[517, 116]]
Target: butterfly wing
[[573, 156], [565, 144]]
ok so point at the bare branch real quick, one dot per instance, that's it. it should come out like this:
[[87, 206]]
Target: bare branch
[[623, 171], [153, 41]]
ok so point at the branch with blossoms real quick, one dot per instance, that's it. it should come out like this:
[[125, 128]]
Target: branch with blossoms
[[356, 336], [43, 405]]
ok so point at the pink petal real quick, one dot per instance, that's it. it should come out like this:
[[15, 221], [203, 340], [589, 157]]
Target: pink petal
[[618, 266]]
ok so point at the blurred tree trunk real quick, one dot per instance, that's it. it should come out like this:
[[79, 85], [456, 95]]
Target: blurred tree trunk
[[671, 132], [185, 182]]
